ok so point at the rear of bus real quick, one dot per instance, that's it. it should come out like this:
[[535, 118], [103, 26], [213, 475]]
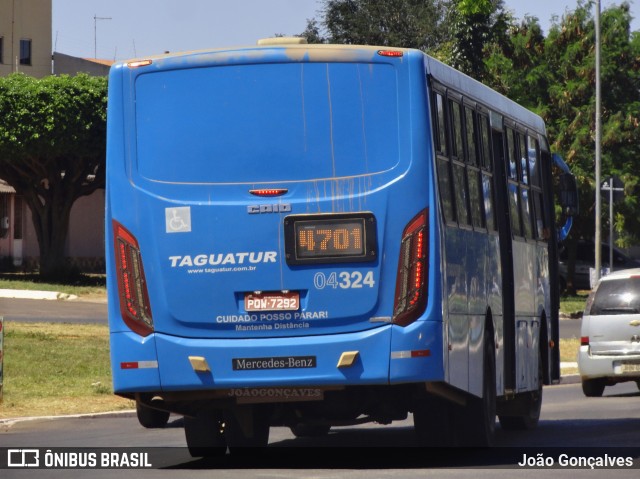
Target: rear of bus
[[270, 231]]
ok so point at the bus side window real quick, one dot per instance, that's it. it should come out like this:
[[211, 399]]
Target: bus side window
[[442, 160], [444, 183], [512, 155], [474, 179], [456, 128], [440, 124], [470, 124], [533, 154], [487, 190], [459, 174], [525, 198], [512, 183]]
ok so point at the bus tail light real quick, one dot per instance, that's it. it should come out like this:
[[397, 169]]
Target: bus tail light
[[132, 286], [411, 281]]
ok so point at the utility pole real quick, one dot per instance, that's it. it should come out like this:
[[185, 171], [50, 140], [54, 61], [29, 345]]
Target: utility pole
[[95, 33], [598, 238]]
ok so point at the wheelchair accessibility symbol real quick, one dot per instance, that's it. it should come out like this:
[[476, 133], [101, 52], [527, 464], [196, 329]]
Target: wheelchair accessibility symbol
[[178, 220]]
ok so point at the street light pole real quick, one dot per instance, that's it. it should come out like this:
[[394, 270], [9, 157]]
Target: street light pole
[[598, 235], [95, 33]]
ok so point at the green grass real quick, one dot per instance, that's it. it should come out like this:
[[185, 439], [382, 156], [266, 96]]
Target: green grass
[[574, 304], [57, 368], [569, 350]]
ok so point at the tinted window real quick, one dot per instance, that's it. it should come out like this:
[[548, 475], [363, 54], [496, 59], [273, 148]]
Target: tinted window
[[487, 194], [617, 297], [442, 139], [472, 155], [526, 213], [475, 197], [460, 192], [266, 122], [456, 123], [444, 182], [534, 161], [513, 155], [486, 141], [514, 207]]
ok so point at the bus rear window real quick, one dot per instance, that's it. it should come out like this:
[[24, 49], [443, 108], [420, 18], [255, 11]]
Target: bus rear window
[[266, 122]]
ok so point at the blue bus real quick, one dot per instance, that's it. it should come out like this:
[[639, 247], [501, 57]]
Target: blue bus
[[312, 236]]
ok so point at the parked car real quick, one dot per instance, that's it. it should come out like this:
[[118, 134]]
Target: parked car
[[585, 260], [610, 334]]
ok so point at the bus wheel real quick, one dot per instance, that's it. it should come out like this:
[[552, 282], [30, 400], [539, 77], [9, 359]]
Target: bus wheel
[[480, 413], [205, 434], [247, 427], [151, 418], [529, 404], [310, 430]]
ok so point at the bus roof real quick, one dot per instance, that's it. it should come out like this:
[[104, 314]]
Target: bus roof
[[492, 99], [296, 50]]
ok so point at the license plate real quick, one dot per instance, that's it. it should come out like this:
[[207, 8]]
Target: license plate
[[276, 301], [630, 367]]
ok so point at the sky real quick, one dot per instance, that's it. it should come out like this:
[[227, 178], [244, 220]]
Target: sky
[[122, 29]]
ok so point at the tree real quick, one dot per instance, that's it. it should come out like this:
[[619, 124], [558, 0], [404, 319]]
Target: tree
[[476, 24], [570, 53], [516, 65], [417, 24], [555, 76], [52, 151]]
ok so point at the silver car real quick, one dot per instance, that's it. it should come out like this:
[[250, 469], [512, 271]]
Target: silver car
[[610, 336]]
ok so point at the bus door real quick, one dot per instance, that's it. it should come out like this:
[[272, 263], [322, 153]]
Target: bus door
[[506, 250]]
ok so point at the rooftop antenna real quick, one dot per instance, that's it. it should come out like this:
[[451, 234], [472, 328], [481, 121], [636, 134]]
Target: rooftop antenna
[[95, 35]]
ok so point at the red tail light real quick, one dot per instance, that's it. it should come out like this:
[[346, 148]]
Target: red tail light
[[390, 53], [269, 192], [411, 281], [584, 341], [132, 286]]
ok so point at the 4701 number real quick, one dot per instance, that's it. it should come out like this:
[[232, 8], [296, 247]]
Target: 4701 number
[[344, 280]]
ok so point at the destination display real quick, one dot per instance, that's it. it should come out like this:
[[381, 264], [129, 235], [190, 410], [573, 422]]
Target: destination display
[[330, 238]]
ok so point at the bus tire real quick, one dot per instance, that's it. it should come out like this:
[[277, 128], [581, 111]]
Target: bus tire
[[480, 413], [151, 418], [205, 434], [530, 405]]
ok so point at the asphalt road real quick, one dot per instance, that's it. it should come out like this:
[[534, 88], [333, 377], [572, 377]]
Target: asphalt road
[[569, 420], [570, 423], [68, 311]]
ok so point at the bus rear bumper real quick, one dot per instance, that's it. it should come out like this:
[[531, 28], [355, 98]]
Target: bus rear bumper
[[380, 356]]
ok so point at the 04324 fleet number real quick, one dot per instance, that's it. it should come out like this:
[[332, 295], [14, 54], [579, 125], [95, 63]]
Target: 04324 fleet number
[[344, 280]]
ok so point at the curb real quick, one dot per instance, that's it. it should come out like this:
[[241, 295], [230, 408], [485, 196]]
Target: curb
[[8, 422], [28, 294]]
